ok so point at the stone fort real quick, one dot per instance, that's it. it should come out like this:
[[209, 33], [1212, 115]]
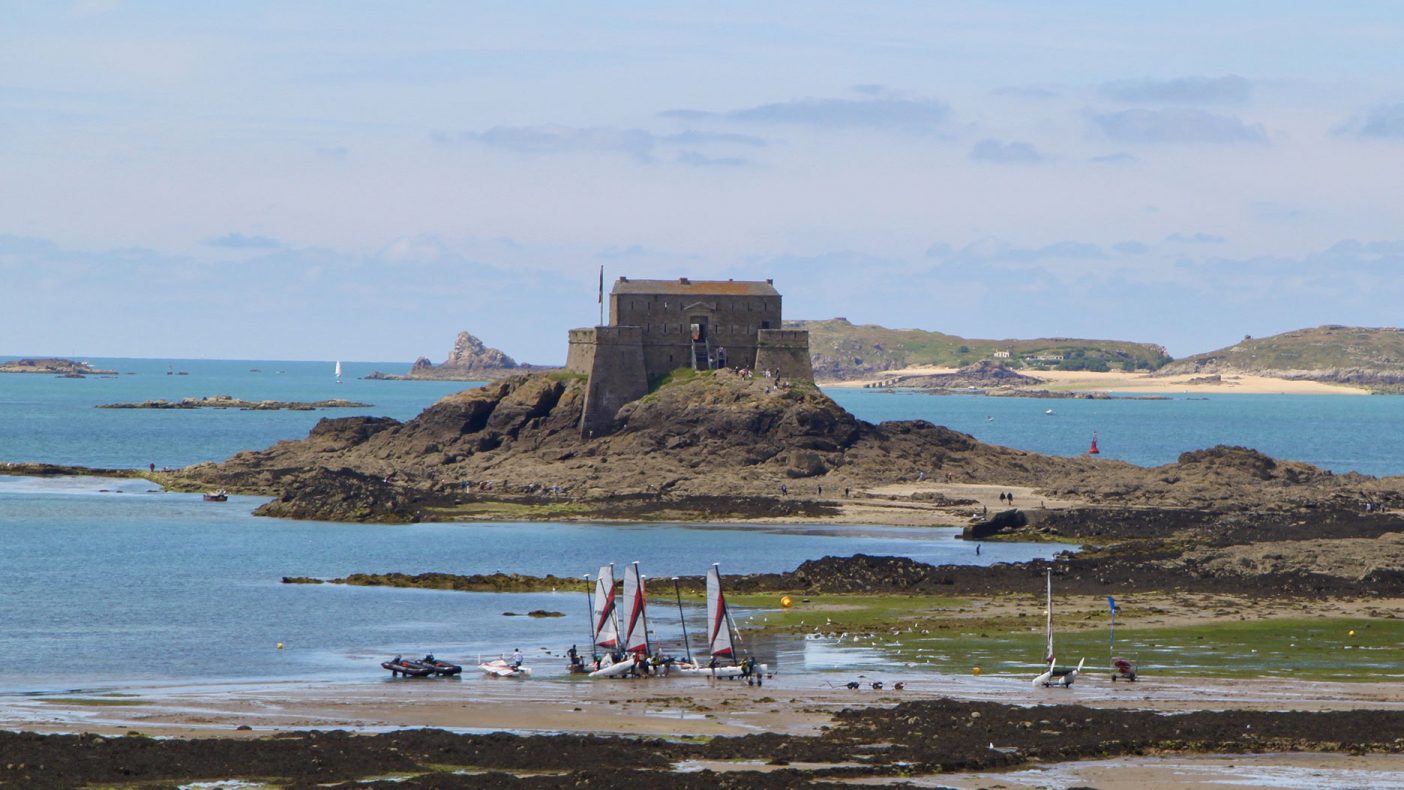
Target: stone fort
[[658, 326]]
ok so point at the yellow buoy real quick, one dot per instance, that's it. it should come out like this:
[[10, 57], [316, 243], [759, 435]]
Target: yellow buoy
[[1352, 632], [786, 602], [280, 645], [976, 670]]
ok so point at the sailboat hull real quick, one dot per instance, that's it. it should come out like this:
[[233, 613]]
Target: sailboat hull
[[615, 670], [1063, 678], [715, 672]]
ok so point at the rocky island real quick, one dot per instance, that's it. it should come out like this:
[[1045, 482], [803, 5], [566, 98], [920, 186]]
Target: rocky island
[[66, 368], [230, 402], [470, 360]]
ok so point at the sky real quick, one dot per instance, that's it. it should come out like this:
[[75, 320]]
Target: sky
[[323, 180]]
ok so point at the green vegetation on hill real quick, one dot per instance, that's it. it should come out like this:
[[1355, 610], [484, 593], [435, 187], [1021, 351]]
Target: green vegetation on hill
[[842, 350], [1330, 347]]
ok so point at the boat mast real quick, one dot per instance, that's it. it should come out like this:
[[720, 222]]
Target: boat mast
[[590, 602], [1048, 629], [687, 647], [643, 611], [1111, 636]]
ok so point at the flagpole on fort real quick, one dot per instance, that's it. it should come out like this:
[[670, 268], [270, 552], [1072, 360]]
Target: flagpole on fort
[[600, 298]]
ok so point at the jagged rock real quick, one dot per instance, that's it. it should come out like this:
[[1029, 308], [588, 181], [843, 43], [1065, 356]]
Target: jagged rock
[[470, 353]]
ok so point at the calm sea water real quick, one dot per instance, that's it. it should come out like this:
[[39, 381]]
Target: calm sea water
[[1336, 432], [134, 586], [131, 585]]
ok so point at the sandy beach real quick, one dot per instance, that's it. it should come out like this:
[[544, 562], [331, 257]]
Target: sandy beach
[[665, 707], [1140, 382]]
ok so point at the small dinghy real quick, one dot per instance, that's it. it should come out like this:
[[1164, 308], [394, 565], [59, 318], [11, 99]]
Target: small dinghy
[[217, 496], [502, 668], [407, 667]]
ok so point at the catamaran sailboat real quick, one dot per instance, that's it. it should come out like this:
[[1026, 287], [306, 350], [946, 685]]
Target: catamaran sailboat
[[721, 636], [1054, 676], [606, 626]]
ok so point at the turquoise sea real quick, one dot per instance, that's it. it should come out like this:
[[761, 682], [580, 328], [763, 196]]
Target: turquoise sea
[[136, 586]]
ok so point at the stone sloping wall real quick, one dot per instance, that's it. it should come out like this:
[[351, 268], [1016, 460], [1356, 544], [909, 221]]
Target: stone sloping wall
[[580, 356], [616, 375], [785, 350]]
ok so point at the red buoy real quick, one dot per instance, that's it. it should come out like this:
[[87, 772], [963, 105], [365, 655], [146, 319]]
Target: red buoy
[[1093, 449]]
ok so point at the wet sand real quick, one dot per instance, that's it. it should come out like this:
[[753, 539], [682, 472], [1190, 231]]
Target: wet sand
[[671, 707]]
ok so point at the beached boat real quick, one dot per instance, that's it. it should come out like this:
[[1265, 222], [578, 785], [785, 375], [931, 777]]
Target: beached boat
[[407, 667], [217, 496], [502, 668], [1053, 675], [605, 623], [633, 621], [721, 639]]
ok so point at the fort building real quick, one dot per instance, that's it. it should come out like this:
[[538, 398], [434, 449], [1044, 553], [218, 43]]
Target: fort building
[[658, 326]]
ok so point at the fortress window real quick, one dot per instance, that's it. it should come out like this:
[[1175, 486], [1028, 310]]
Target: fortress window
[[765, 325]]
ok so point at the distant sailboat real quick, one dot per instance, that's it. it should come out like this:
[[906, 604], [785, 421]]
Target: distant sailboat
[[338, 371]]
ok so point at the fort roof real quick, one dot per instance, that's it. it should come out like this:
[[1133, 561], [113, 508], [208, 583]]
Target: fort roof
[[685, 287]]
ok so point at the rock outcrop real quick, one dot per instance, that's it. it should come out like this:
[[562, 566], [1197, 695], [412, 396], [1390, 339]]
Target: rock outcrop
[[719, 444], [470, 360], [470, 353]]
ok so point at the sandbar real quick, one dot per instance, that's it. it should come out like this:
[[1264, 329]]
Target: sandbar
[[1138, 383]]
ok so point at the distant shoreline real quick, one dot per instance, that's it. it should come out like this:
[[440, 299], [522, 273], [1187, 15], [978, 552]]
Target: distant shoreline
[[1139, 382]]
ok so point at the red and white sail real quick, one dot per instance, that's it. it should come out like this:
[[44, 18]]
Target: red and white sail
[[635, 619], [718, 620], [606, 625]]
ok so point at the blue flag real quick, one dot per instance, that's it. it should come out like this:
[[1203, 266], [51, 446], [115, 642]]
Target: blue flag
[[1111, 602]]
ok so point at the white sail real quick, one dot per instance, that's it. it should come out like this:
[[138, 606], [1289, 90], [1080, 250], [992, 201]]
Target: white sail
[[606, 626], [718, 620], [338, 368], [635, 620]]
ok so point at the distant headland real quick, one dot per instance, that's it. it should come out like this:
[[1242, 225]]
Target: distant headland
[[54, 367]]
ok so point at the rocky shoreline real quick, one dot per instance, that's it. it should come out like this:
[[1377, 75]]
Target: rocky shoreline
[[230, 402], [909, 740]]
